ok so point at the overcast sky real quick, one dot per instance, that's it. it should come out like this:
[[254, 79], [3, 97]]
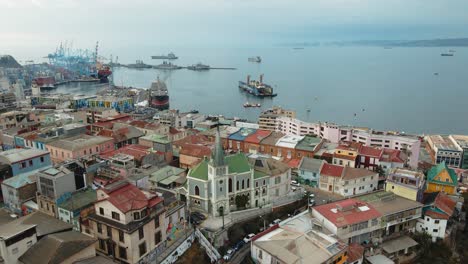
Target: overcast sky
[[34, 24]]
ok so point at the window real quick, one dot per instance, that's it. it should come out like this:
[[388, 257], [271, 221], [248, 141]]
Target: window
[[102, 244], [101, 211], [144, 213], [109, 231], [29, 244], [372, 185], [197, 190], [157, 237], [116, 216], [30, 163], [122, 253], [435, 230], [22, 165], [99, 228], [121, 236], [248, 183], [142, 248], [141, 234], [230, 185], [156, 222], [260, 254], [42, 159], [427, 219], [243, 185], [136, 216], [436, 221], [237, 186], [97, 149], [256, 184]]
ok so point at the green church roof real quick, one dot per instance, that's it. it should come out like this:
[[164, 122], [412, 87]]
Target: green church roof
[[436, 170], [237, 163]]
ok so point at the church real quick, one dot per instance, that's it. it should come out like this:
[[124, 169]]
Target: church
[[226, 183]]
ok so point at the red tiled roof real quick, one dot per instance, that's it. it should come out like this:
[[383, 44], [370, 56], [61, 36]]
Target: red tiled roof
[[173, 130], [105, 124], [444, 203], [436, 215], [347, 212], [355, 252], [194, 139], [195, 151], [258, 136], [128, 197], [392, 155], [331, 170], [106, 133], [371, 151], [136, 151], [293, 163], [353, 146]]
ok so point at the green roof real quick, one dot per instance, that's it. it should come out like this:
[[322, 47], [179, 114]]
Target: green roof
[[308, 143], [237, 163], [436, 170], [157, 138], [165, 172], [200, 171], [259, 174], [79, 200]]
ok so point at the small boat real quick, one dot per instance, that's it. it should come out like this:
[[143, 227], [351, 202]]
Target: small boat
[[252, 105], [199, 67], [256, 59], [446, 54], [436, 73], [298, 48]]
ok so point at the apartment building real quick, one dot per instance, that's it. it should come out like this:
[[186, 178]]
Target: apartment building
[[268, 119], [444, 149], [128, 223], [347, 181], [406, 183]]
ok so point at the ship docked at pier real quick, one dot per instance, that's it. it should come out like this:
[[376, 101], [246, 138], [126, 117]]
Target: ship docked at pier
[[158, 95], [257, 88], [170, 56]]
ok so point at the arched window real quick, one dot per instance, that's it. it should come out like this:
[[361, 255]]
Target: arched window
[[248, 183], [197, 191], [230, 185], [237, 185], [243, 186]]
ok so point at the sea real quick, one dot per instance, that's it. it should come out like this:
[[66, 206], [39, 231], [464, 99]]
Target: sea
[[411, 90]]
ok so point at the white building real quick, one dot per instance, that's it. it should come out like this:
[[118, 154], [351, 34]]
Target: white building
[[347, 181], [294, 126], [445, 148], [15, 239], [288, 142], [439, 208]]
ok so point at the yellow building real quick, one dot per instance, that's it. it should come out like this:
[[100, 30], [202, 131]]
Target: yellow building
[[346, 154], [441, 178], [406, 183]]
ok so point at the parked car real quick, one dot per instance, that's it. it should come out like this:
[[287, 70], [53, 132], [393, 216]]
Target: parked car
[[295, 183], [199, 215], [239, 245], [248, 238], [228, 255]]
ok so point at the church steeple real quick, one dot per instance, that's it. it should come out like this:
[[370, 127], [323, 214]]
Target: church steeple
[[217, 155]]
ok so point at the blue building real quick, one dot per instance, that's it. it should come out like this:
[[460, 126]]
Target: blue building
[[24, 160], [309, 171]]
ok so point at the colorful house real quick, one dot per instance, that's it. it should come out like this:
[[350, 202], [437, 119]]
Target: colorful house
[[441, 178], [346, 154]]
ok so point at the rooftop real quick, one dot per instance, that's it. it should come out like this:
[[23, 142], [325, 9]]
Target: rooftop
[[462, 140], [127, 197], [55, 172], [20, 180], [138, 152], [269, 166], [432, 174], [237, 163], [371, 151], [257, 136], [310, 164], [442, 142], [331, 170], [388, 203], [57, 248], [79, 142], [242, 134], [309, 143], [79, 200], [350, 173], [45, 224], [350, 146], [289, 141], [166, 172], [347, 212], [13, 228], [407, 173], [16, 155], [272, 139], [163, 139], [393, 155]]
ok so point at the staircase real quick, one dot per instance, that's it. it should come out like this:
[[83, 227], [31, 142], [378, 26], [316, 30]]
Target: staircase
[[210, 250]]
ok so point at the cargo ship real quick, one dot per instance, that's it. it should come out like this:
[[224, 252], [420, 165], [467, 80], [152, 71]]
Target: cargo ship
[[199, 67], [139, 64], [257, 59], [45, 83], [170, 56], [167, 66], [257, 88], [446, 54], [158, 95], [103, 73]]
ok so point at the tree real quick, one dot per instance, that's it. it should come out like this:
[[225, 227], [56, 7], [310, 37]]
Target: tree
[[241, 201]]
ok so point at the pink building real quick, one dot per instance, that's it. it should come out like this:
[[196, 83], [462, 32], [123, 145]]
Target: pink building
[[78, 146]]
